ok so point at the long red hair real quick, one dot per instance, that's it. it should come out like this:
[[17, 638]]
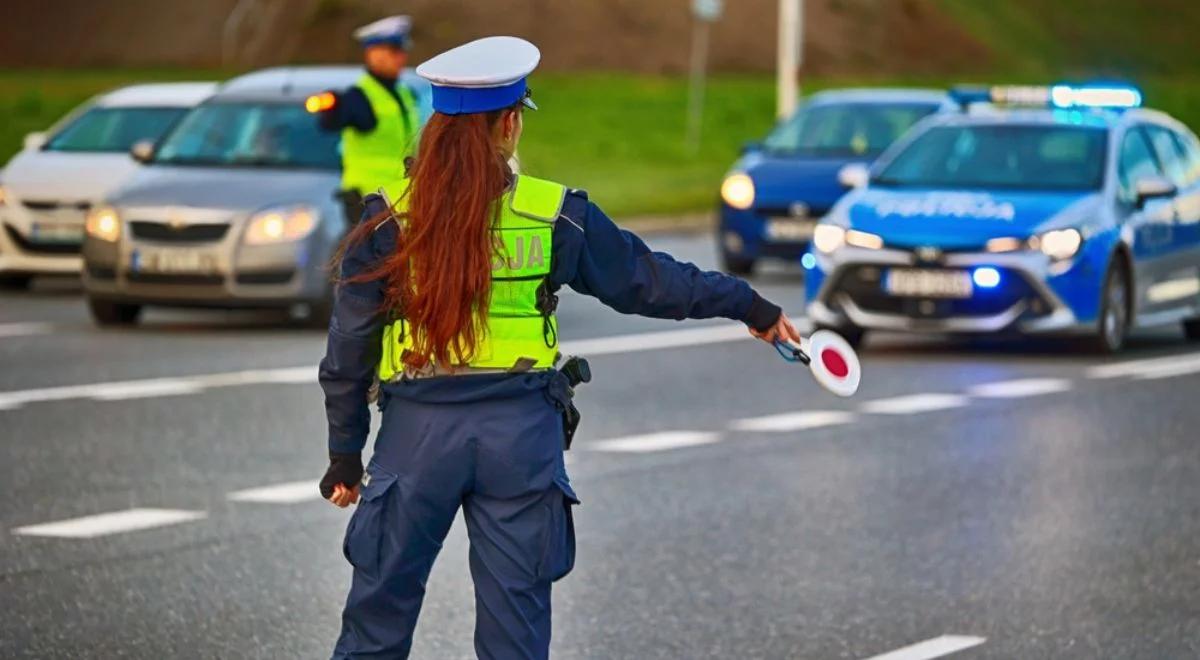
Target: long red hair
[[439, 276]]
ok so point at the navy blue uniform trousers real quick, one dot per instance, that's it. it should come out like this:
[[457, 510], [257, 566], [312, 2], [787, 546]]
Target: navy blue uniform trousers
[[491, 445]]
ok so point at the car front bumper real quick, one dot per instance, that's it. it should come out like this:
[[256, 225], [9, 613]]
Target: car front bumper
[[24, 254], [846, 289], [227, 273], [764, 233]]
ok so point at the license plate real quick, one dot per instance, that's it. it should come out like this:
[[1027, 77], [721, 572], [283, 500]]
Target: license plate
[[928, 283], [174, 261], [790, 230], [57, 232]]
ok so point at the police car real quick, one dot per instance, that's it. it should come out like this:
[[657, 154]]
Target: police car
[[774, 194], [1042, 209]]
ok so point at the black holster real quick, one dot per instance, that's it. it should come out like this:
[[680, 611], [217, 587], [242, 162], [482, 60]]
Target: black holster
[[577, 371]]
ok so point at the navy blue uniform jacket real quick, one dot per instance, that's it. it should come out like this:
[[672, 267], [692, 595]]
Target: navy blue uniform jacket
[[590, 254]]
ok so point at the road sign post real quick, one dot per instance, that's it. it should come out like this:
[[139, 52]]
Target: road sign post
[[790, 52], [705, 13]]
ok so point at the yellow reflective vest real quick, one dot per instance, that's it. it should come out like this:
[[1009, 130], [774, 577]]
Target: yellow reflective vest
[[521, 324], [371, 160]]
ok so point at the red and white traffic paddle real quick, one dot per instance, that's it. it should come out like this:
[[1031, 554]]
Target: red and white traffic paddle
[[830, 358]]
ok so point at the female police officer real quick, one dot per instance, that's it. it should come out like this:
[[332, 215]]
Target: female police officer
[[450, 301]]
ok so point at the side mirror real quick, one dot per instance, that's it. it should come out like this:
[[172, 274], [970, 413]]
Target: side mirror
[[751, 147], [142, 151], [854, 175], [1152, 187], [35, 141]]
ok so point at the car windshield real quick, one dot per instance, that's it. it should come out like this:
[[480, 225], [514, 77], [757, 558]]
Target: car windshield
[[250, 135], [1001, 156], [113, 129], [845, 129]]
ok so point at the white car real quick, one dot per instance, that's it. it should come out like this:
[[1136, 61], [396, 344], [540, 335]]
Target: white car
[[47, 188]]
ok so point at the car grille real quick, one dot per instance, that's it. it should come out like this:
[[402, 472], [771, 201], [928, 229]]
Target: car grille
[[46, 205], [167, 233], [864, 285], [180, 279], [25, 244], [269, 277]]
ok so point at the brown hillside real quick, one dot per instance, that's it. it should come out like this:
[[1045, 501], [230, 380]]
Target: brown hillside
[[842, 36]]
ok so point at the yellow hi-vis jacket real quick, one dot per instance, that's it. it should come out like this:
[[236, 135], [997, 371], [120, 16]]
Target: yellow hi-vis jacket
[[521, 325], [374, 159]]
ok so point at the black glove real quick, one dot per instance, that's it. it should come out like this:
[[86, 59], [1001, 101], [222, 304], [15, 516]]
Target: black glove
[[345, 469]]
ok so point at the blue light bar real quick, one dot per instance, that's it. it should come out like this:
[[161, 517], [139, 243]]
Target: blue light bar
[[1057, 96], [1095, 96]]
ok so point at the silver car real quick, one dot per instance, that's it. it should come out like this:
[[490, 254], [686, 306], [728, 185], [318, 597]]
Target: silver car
[[236, 207]]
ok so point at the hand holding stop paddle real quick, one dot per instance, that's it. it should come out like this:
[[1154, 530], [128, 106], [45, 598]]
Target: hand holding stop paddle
[[832, 360]]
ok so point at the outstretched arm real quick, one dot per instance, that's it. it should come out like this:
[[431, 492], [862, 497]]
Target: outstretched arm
[[595, 257]]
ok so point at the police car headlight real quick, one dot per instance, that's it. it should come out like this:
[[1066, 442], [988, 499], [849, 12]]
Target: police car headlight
[[103, 223], [738, 191], [280, 225], [828, 238], [1058, 244]]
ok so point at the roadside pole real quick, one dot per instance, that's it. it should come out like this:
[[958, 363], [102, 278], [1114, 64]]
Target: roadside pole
[[705, 12], [790, 52]]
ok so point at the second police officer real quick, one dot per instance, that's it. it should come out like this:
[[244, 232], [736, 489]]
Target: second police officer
[[448, 298], [379, 117]]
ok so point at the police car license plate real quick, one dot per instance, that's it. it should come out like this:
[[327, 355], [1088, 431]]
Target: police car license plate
[[928, 283], [174, 261], [790, 230]]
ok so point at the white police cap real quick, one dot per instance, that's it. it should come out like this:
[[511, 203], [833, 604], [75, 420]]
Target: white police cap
[[391, 30], [483, 75]]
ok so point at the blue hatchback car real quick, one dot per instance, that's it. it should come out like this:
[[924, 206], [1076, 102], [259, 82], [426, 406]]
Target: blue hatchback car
[[1042, 209], [774, 194]]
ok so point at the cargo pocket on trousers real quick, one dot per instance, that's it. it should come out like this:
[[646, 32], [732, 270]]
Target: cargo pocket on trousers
[[558, 557], [364, 534]]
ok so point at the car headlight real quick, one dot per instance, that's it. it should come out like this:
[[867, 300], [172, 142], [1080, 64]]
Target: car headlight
[[828, 238], [1058, 244], [738, 191], [103, 223], [280, 225]]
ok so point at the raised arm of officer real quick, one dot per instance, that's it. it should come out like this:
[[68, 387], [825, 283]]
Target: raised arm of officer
[[350, 109], [352, 353], [595, 257]]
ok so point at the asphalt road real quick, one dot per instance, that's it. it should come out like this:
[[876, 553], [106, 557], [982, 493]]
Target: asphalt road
[[1007, 499]]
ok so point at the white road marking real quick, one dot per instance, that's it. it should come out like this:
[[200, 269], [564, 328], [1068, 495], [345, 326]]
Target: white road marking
[[1170, 371], [914, 403], [24, 329], [661, 441], [1138, 367], [285, 493], [110, 523], [149, 387], [1022, 387], [794, 421], [932, 648]]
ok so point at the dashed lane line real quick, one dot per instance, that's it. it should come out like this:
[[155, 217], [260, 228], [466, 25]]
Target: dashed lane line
[[914, 403], [150, 387], [932, 648], [116, 522], [794, 421], [285, 493], [1022, 387], [651, 442], [1168, 365], [24, 329]]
